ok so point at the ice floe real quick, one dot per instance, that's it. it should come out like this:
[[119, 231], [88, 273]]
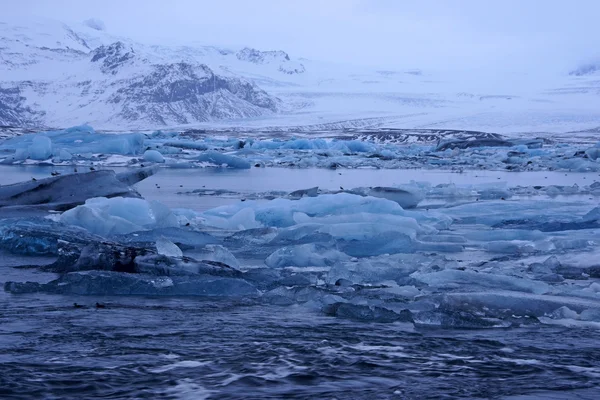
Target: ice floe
[[483, 257]]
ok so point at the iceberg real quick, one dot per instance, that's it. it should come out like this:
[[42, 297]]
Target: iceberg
[[39, 236], [220, 159], [153, 156], [451, 278], [305, 255], [216, 253], [119, 215], [405, 198], [40, 148], [135, 175], [63, 192], [167, 248], [105, 283], [280, 212], [184, 237], [75, 141]]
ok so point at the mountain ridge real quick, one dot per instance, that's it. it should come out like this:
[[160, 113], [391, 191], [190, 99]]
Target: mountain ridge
[[119, 82]]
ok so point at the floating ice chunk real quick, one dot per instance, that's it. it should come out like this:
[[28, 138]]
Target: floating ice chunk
[[40, 148], [593, 153], [64, 155], [218, 253], [184, 238], [39, 236], [300, 234], [21, 154], [365, 230], [167, 248], [396, 267], [359, 146], [184, 144], [593, 215], [119, 215], [241, 220], [285, 295], [161, 265], [518, 246], [453, 319], [564, 312], [153, 156], [105, 283], [252, 237], [280, 212], [466, 144], [220, 159], [451, 278], [305, 255], [444, 239], [517, 303], [405, 198], [482, 235], [400, 223], [263, 278], [76, 140], [298, 194]]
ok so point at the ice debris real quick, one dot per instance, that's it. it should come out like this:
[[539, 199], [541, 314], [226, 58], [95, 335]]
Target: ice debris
[[453, 151], [474, 265], [167, 248]]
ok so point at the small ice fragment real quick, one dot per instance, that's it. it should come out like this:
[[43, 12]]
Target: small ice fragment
[[167, 248], [153, 156], [41, 148], [216, 252]]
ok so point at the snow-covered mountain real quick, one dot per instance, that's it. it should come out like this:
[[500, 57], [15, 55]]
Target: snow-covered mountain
[[58, 75], [51, 75]]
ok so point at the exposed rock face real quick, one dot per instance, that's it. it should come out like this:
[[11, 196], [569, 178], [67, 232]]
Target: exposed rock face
[[112, 57], [185, 93], [587, 69], [14, 111]]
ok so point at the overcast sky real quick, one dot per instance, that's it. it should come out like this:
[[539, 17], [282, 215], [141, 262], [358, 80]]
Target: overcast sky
[[384, 33]]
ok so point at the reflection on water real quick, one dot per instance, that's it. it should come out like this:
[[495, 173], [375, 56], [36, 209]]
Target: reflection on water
[[165, 185]]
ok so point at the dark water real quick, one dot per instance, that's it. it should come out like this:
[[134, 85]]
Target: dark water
[[184, 348]]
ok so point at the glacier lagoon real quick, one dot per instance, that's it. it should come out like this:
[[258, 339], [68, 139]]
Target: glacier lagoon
[[216, 281]]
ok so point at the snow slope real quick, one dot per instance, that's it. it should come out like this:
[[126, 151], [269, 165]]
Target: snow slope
[[54, 75]]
